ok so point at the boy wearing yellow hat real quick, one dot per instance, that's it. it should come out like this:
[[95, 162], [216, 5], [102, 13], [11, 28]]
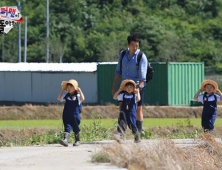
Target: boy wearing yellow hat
[[128, 96], [209, 98], [73, 97]]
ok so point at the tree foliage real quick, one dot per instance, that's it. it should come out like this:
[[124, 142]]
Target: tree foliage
[[96, 31]]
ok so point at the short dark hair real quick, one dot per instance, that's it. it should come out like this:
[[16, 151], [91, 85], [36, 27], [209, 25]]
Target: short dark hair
[[129, 84], [209, 84], [133, 37]]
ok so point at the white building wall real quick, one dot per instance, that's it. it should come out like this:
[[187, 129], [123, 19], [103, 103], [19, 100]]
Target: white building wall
[[43, 87]]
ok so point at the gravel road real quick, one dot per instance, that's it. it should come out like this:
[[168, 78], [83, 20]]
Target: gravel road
[[51, 157], [57, 157]]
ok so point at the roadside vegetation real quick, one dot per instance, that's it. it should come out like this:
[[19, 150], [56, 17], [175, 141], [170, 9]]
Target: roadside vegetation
[[171, 124], [106, 123], [164, 154], [40, 132]]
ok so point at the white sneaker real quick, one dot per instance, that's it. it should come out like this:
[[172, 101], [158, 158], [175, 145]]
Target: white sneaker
[[137, 138], [77, 143], [64, 142]]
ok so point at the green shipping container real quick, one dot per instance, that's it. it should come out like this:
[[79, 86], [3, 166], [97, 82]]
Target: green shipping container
[[105, 76], [173, 83]]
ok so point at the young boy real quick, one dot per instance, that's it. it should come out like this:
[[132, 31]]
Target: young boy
[[128, 95], [73, 97], [209, 100]]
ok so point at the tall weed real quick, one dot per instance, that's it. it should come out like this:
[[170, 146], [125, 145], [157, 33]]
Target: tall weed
[[95, 131]]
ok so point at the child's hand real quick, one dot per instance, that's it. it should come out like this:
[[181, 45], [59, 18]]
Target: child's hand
[[218, 91], [63, 86], [136, 91], [201, 90], [78, 89], [121, 88]]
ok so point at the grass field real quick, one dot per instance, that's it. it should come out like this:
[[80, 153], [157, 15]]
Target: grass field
[[149, 122]]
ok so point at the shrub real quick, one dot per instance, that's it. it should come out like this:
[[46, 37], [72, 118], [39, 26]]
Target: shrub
[[218, 68]]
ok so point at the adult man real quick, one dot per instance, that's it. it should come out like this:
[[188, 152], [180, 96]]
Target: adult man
[[129, 68]]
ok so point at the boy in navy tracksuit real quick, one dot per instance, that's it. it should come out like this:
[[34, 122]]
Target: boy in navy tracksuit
[[72, 109], [127, 96], [209, 100]]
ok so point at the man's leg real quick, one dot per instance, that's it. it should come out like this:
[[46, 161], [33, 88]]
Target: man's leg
[[139, 112], [139, 118]]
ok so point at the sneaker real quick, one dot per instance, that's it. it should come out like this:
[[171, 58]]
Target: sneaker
[[137, 138], [77, 140], [118, 137], [64, 143], [211, 131], [77, 143]]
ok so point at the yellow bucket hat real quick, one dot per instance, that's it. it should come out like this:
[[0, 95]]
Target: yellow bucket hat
[[211, 82], [72, 82], [124, 82]]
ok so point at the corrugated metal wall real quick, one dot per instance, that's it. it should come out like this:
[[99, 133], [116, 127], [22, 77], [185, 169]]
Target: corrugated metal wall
[[15, 86], [44, 87], [156, 91], [184, 80], [172, 84], [105, 74]]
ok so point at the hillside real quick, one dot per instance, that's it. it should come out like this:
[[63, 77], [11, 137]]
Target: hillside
[[93, 31]]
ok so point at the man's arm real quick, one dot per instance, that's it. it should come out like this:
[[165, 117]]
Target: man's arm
[[115, 81], [142, 70]]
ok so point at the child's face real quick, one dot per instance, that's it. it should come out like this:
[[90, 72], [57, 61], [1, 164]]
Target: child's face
[[209, 88], [70, 88], [130, 88]]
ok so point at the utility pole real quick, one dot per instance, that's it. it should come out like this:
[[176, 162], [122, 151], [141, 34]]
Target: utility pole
[[47, 31], [25, 42], [3, 47], [19, 37]]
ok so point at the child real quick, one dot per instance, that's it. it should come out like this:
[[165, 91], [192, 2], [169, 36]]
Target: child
[[209, 100], [72, 108], [128, 95]]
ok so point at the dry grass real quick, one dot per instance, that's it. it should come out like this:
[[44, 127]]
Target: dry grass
[[173, 112], [27, 112], [28, 137], [111, 111], [164, 154]]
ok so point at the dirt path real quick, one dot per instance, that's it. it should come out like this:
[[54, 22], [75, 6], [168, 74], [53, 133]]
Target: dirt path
[[57, 157], [50, 157]]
